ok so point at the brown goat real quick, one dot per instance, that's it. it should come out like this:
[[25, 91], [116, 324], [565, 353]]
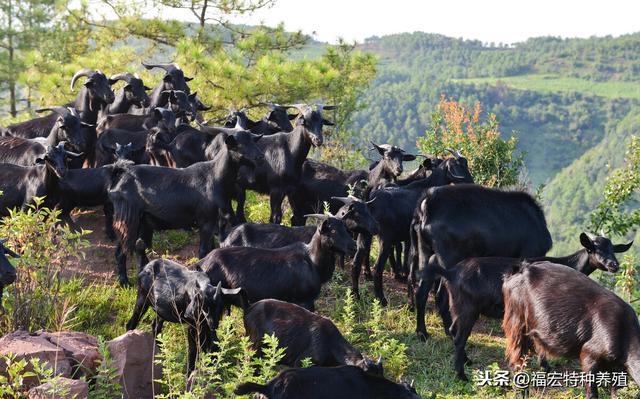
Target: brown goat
[[559, 312]]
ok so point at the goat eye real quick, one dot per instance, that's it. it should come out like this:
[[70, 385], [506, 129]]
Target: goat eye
[[333, 231]]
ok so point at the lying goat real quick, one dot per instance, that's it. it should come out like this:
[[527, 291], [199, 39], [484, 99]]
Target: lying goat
[[304, 335], [344, 382]]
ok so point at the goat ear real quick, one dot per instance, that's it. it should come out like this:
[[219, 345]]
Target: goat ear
[[187, 79], [324, 226], [327, 122], [377, 147], [167, 78], [618, 248], [9, 252], [292, 116], [586, 242], [231, 141], [88, 84], [146, 88], [39, 161], [408, 157]]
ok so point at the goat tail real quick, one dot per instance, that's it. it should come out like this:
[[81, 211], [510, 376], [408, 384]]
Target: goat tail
[[126, 221], [515, 324], [249, 387]]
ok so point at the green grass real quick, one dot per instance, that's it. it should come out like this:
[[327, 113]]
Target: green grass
[[554, 84]]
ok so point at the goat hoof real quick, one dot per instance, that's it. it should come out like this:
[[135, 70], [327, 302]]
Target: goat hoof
[[383, 301], [423, 335], [124, 282], [462, 377]]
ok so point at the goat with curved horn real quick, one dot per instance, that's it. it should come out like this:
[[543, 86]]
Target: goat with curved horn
[[60, 110], [456, 154], [167, 67], [86, 72], [126, 76]]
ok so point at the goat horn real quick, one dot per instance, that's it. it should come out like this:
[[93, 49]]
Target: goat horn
[[167, 67], [379, 359], [62, 111], [344, 200], [83, 72], [452, 152], [122, 76], [320, 216]]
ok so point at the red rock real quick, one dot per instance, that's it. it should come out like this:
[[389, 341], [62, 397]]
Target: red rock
[[60, 388], [80, 348], [26, 346], [132, 357]]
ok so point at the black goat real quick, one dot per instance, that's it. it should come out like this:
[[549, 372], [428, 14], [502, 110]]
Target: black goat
[[164, 126], [88, 187], [191, 197], [343, 382], [285, 154], [475, 285], [173, 79], [133, 94], [457, 222], [320, 182], [560, 312], [393, 209], [20, 184], [304, 335], [95, 96], [7, 271], [354, 213], [67, 127], [180, 295], [294, 273]]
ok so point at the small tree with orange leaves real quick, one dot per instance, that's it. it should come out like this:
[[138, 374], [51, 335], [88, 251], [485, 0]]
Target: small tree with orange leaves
[[492, 160]]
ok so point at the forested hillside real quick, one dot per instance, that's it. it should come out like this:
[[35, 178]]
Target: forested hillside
[[556, 120], [571, 102]]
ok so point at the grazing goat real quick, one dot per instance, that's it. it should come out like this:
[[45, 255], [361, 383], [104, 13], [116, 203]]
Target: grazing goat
[[180, 295], [7, 271], [462, 221], [475, 285], [20, 184], [148, 198], [343, 382], [294, 273], [67, 127], [559, 312], [304, 335]]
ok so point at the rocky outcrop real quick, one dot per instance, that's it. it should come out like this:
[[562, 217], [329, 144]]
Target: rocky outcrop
[[60, 388]]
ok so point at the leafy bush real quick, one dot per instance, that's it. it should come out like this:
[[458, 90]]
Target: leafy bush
[[492, 160], [34, 300], [12, 384]]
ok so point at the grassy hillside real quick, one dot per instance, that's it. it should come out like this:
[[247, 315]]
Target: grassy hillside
[[555, 84]]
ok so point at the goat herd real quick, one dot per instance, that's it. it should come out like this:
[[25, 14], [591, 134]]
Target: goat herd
[[138, 156]]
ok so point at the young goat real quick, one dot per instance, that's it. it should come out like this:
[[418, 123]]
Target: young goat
[[560, 312], [304, 335], [179, 295], [294, 273], [475, 286], [344, 382]]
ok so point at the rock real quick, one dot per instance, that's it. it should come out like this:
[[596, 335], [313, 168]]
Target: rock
[[60, 388], [80, 348], [132, 357], [26, 346]]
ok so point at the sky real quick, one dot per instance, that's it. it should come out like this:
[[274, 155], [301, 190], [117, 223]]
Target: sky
[[498, 21]]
